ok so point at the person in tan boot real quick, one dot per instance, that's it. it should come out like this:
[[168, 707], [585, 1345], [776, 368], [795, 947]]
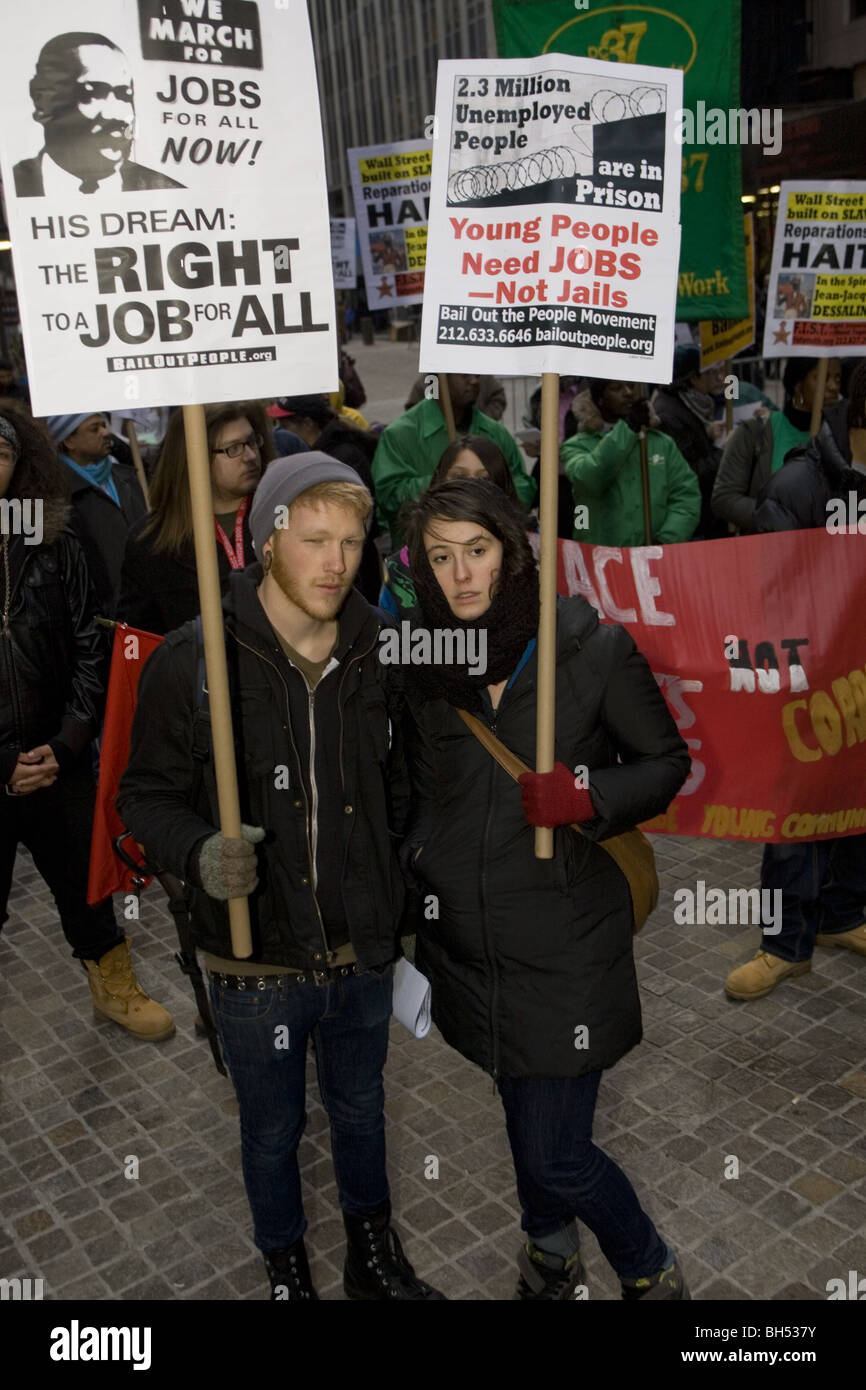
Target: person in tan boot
[[118, 995], [822, 882], [52, 683]]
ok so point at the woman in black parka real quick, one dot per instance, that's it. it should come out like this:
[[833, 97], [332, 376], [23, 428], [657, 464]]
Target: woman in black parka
[[530, 960]]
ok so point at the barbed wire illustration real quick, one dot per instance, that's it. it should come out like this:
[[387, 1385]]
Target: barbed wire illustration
[[490, 180]]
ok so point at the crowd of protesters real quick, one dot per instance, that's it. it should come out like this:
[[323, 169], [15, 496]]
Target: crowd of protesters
[[391, 795]]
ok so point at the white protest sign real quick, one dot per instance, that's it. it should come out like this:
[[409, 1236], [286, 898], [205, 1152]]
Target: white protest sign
[[554, 219], [343, 253], [391, 189], [166, 200], [816, 301]]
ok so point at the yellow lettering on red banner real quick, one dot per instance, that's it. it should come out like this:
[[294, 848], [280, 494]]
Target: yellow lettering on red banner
[[828, 716]]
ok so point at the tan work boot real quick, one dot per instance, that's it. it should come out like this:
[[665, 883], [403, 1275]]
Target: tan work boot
[[118, 995], [853, 940], [761, 975]]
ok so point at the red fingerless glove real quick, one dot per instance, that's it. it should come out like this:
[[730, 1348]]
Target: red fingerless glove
[[551, 798]]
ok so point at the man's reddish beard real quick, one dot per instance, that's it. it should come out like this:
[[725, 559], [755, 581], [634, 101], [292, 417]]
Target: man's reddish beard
[[330, 603]]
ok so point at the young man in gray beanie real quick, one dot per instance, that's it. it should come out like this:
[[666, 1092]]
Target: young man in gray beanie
[[322, 792]]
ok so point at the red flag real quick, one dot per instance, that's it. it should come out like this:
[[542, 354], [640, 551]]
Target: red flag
[[108, 874]]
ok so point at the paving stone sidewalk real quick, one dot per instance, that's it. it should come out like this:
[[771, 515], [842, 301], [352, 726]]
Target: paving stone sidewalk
[[779, 1084]]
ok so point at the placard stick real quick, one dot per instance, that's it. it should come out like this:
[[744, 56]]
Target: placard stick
[[129, 431], [645, 487], [818, 402], [446, 406], [545, 718], [198, 466]]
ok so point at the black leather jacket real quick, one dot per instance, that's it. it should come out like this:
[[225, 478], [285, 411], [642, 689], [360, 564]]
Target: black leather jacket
[[53, 658]]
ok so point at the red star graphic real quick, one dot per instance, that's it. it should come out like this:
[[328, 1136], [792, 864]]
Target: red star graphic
[[781, 333], [385, 287]]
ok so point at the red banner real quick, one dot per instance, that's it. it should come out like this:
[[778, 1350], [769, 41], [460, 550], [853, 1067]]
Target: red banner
[[108, 874], [759, 646]]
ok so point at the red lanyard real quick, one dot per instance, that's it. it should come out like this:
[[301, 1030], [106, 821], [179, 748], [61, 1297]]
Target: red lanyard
[[235, 555]]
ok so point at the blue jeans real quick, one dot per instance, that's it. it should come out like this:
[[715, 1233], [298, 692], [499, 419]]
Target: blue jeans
[[264, 1038], [823, 886], [562, 1175]]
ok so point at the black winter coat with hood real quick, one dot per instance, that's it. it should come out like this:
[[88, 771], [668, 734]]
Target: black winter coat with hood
[[53, 657], [525, 951], [319, 771], [797, 494]]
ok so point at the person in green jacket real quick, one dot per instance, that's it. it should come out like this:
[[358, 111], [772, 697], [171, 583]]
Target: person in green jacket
[[602, 462], [410, 448]]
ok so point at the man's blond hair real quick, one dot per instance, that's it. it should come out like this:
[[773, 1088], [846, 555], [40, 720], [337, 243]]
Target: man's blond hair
[[353, 496]]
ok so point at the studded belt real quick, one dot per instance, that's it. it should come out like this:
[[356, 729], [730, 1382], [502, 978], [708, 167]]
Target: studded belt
[[304, 977]]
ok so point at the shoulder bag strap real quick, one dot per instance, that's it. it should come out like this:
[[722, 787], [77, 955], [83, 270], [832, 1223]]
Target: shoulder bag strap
[[506, 759]]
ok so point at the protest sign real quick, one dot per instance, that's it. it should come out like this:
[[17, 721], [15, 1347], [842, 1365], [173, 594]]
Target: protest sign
[[553, 220], [703, 41], [816, 301], [722, 338], [343, 262], [166, 200], [748, 661], [391, 189]]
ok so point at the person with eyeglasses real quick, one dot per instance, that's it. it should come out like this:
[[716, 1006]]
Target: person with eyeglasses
[[158, 586]]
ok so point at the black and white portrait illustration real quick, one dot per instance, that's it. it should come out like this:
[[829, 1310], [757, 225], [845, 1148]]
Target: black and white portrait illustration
[[82, 93]]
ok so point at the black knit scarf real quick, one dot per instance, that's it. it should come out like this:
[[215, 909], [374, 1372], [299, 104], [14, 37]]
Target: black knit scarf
[[510, 622]]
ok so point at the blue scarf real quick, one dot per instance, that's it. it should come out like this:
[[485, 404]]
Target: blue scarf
[[97, 473]]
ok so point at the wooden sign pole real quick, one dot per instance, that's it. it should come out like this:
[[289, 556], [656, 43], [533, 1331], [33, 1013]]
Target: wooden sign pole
[[548, 507], [645, 488], [198, 465], [135, 450], [818, 402], [446, 406]]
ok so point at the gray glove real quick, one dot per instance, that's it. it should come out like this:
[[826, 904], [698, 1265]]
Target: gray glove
[[227, 868]]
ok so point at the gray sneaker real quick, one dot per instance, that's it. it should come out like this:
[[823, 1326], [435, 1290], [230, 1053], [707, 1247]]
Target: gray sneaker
[[668, 1283], [546, 1276]]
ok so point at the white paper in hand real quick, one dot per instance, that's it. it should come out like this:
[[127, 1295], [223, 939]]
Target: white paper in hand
[[411, 998]]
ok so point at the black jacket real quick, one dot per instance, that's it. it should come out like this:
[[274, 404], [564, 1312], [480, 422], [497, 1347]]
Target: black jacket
[[53, 658], [358, 776], [102, 527], [524, 951], [159, 589], [29, 181], [689, 434], [797, 494]]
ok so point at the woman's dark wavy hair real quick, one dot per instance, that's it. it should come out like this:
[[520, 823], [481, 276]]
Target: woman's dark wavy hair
[[38, 471], [478, 500], [490, 455]]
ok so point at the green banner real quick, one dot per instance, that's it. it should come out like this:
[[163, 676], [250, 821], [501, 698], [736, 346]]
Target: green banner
[[704, 40]]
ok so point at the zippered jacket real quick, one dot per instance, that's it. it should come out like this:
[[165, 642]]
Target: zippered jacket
[[318, 770], [525, 952], [605, 475], [53, 657]]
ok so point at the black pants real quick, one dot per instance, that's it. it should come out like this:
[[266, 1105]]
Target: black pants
[[55, 824]]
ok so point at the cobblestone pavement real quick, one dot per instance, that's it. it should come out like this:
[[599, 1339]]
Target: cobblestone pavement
[[779, 1084]]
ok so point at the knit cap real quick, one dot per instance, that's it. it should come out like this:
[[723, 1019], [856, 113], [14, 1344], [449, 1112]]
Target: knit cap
[[283, 482]]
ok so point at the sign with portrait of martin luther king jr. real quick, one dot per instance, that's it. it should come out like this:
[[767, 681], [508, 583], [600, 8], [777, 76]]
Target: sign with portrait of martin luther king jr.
[[169, 231]]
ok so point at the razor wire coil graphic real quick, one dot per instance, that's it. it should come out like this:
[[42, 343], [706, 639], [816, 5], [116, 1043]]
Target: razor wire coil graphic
[[490, 180]]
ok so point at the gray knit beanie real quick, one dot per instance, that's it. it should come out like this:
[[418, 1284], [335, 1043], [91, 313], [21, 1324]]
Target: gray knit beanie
[[283, 482]]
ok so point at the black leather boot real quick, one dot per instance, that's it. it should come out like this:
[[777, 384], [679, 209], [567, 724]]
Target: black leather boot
[[376, 1268], [289, 1273]]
